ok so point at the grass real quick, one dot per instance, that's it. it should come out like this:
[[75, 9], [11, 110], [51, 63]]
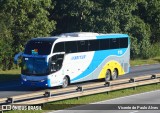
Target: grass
[[92, 98], [9, 75], [146, 61]]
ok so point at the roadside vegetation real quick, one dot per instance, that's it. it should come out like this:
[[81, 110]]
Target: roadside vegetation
[[135, 62], [9, 75]]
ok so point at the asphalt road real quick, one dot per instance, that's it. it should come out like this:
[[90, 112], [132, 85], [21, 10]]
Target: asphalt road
[[13, 88], [138, 103]]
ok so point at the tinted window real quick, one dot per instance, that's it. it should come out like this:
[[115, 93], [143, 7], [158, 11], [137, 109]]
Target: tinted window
[[114, 43], [59, 47], [82, 46], [93, 45], [123, 42], [41, 47], [104, 44], [71, 47]]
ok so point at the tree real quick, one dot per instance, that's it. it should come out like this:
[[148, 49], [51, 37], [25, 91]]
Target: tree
[[149, 11], [29, 18], [106, 16], [23, 20]]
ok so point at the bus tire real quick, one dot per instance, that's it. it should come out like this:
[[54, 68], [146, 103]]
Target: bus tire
[[65, 82], [108, 75], [115, 74]]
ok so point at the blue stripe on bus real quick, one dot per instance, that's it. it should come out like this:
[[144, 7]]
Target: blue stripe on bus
[[100, 55]]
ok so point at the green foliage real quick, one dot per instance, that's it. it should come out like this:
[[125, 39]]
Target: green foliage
[[140, 34], [155, 50], [6, 39], [22, 20], [123, 16], [29, 19], [149, 11]]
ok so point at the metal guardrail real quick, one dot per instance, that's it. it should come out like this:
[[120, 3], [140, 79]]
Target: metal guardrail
[[79, 91]]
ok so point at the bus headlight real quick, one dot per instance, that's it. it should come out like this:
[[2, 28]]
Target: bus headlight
[[24, 78]]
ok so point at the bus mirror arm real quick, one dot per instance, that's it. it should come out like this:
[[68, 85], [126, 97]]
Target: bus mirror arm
[[16, 57]]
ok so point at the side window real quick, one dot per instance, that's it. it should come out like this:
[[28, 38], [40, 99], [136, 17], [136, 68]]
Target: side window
[[56, 62], [82, 46], [71, 47], [114, 43], [104, 44], [59, 47], [123, 42], [93, 45]]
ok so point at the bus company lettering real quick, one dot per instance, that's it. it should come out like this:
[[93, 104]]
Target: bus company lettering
[[78, 57]]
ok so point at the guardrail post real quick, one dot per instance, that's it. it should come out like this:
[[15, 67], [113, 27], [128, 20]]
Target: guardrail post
[[132, 80], [10, 100], [107, 84], [153, 76], [47, 94], [79, 88]]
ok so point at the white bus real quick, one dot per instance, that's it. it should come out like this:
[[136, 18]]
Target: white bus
[[74, 57]]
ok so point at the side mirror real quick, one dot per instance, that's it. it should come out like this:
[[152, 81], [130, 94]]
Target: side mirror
[[16, 57]]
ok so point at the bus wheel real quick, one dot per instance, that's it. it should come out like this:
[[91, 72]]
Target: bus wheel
[[108, 75], [65, 82], [115, 74]]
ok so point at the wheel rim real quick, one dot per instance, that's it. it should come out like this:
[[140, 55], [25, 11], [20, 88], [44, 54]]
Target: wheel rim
[[108, 74], [65, 82], [115, 74]]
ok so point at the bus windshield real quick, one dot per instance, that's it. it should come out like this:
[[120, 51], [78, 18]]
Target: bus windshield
[[34, 66], [42, 47]]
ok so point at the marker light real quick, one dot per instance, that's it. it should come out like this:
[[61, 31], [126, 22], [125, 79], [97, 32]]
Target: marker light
[[35, 52]]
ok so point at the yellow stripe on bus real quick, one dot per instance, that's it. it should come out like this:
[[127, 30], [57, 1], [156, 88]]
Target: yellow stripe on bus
[[111, 65]]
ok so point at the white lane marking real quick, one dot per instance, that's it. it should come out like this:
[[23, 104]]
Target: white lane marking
[[55, 111], [133, 111]]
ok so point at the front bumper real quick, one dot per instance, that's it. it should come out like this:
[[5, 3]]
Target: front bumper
[[45, 83]]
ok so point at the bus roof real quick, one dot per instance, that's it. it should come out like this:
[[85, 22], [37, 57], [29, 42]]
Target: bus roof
[[50, 39], [89, 34], [79, 36]]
